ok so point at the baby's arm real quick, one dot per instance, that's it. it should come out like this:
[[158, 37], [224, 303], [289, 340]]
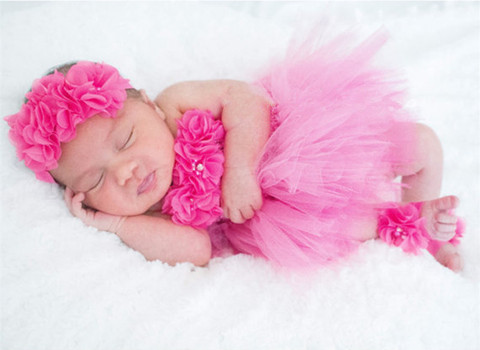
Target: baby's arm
[[156, 238], [245, 116]]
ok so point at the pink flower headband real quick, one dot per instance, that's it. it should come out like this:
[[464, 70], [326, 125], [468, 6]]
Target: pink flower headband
[[56, 104]]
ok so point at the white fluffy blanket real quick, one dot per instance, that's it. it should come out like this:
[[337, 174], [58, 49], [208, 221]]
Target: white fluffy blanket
[[66, 286]]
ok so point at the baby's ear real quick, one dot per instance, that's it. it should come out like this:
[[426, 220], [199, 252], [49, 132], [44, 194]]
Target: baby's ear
[[152, 104], [145, 97]]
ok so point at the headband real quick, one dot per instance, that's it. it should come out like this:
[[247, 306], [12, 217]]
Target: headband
[[56, 104]]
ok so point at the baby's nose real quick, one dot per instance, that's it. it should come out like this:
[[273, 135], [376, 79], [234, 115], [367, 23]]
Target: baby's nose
[[125, 171]]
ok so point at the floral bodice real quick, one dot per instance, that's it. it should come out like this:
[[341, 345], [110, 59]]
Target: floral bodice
[[194, 197]]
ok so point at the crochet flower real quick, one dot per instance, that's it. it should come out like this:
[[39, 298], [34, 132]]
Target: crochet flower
[[56, 104], [403, 226], [194, 198]]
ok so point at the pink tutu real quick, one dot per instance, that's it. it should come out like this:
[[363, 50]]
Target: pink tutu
[[339, 129]]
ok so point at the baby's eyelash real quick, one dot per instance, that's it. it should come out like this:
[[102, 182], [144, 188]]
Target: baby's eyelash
[[96, 184], [128, 139]]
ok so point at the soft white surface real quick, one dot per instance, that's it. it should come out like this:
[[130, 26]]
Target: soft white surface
[[66, 286]]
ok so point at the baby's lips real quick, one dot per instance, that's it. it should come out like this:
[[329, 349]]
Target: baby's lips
[[147, 183]]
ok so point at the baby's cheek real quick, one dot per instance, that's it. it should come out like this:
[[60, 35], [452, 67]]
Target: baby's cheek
[[100, 200]]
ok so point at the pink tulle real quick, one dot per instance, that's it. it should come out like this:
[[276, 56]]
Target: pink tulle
[[339, 129], [194, 198], [56, 105]]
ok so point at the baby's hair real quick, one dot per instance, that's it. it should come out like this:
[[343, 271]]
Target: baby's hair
[[65, 67]]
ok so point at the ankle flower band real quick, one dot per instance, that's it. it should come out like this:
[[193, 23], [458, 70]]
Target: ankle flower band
[[56, 104], [404, 227]]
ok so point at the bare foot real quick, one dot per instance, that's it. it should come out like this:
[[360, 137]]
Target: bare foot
[[448, 256], [441, 224]]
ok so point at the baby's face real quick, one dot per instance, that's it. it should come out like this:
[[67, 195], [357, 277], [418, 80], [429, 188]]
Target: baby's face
[[123, 165]]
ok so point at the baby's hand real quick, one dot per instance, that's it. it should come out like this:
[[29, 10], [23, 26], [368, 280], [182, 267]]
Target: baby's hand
[[90, 217], [241, 194]]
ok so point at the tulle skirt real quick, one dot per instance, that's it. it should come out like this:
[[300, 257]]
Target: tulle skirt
[[338, 131]]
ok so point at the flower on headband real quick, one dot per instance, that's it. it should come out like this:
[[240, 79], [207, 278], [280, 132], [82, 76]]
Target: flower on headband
[[56, 104]]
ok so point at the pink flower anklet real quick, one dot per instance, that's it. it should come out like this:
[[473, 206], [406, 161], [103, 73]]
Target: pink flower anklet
[[404, 227]]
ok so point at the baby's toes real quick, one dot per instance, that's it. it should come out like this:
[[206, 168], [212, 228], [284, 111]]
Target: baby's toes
[[443, 232], [446, 203], [446, 218]]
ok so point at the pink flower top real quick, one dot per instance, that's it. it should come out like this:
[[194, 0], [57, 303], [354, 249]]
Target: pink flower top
[[194, 197]]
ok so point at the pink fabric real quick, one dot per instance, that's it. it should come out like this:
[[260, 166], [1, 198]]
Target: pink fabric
[[404, 227], [339, 128], [56, 105], [194, 198]]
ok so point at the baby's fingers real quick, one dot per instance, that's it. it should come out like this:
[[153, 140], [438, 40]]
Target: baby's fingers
[[235, 216], [68, 196], [74, 203], [248, 212]]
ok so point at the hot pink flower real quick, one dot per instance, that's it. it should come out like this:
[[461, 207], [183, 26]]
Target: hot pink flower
[[99, 88], [189, 207], [194, 197], [403, 227], [197, 126], [56, 105]]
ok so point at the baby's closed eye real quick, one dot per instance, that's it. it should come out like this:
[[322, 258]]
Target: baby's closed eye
[[128, 140], [97, 183]]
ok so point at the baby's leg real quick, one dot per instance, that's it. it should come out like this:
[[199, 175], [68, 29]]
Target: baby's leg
[[440, 224], [423, 175], [423, 178]]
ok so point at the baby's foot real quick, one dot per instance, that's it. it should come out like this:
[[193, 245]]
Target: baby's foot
[[441, 225], [441, 222], [449, 257]]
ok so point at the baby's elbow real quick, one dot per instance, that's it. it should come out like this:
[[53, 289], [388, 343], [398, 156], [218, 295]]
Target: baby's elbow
[[203, 250]]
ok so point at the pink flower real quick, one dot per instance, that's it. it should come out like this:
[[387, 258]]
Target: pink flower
[[98, 86], [194, 198], [56, 105], [189, 207], [203, 161], [403, 227], [197, 126]]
